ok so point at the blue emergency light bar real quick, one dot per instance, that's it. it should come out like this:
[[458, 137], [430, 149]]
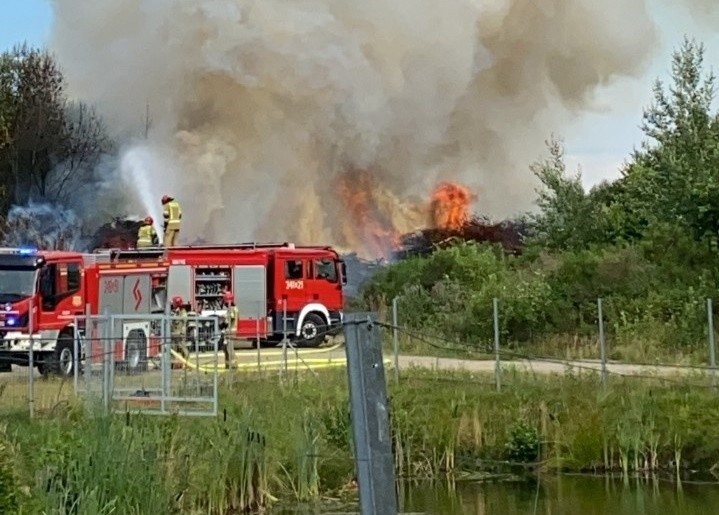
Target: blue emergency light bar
[[22, 251]]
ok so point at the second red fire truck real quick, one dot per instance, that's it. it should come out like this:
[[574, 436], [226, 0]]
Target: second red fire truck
[[279, 289]]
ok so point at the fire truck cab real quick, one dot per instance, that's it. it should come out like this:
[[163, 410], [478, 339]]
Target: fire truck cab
[[51, 286], [281, 290]]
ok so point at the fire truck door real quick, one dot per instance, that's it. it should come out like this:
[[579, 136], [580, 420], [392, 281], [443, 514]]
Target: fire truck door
[[249, 288], [179, 282], [137, 295], [111, 294]]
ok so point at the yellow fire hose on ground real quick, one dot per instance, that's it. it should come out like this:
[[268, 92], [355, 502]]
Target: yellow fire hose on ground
[[294, 362], [206, 357]]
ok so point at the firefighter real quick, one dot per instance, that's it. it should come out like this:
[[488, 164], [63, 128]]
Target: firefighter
[[179, 326], [146, 235], [172, 215], [230, 327]]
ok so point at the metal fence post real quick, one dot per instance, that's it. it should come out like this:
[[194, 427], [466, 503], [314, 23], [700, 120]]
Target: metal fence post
[[216, 378], [257, 342], [497, 362], [395, 339], [198, 369], [370, 415], [75, 353], [284, 336], [712, 344], [106, 360], [602, 343], [165, 358], [111, 342], [31, 362]]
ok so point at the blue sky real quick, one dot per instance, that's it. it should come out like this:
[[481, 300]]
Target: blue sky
[[599, 142], [22, 20]]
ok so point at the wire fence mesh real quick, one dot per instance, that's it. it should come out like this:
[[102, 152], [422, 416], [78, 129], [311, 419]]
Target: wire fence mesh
[[600, 342], [162, 363], [140, 364]]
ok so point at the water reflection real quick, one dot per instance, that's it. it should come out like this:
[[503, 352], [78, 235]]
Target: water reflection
[[560, 496], [566, 495]]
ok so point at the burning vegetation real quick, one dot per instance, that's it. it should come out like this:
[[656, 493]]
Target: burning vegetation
[[508, 234], [118, 234], [365, 219], [447, 215], [452, 222], [450, 206], [371, 231], [449, 222]]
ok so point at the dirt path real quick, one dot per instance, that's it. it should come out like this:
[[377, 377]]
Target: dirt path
[[541, 366]]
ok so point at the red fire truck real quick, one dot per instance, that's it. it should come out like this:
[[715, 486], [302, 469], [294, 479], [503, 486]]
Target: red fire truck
[[279, 289]]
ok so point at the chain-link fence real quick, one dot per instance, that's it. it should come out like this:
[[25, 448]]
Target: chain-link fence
[[138, 363], [602, 337], [164, 363]]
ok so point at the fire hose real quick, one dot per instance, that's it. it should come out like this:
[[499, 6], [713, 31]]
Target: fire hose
[[313, 363]]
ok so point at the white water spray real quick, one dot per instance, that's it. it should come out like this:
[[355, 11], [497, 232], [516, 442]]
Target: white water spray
[[138, 165]]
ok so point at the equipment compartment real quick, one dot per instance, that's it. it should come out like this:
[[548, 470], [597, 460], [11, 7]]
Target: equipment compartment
[[210, 283]]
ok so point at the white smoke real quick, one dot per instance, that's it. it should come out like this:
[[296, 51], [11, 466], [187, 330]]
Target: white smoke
[[258, 106], [44, 225]]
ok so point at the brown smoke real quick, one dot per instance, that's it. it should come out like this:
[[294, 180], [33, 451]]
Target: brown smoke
[[262, 110]]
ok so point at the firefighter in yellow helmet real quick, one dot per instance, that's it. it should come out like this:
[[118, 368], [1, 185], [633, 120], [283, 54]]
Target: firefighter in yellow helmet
[[172, 215], [146, 235], [230, 324]]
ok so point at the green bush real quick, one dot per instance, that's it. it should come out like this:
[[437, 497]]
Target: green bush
[[523, 444], [9, 485], [450, 294]]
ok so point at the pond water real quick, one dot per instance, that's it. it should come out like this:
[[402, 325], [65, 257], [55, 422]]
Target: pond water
[[566, 495]]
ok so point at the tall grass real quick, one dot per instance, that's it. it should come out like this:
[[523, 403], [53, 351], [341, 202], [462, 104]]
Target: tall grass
[[282, 444]]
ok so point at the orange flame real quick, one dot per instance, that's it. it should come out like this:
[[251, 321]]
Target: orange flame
[[358, 190], [450, 205], [376, 219]]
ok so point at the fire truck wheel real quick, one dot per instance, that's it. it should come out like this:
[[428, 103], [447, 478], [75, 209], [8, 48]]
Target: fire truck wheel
[[136, 352], [62, 361], [312, 332]]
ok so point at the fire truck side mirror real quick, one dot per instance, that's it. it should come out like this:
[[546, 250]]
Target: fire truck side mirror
[[343, 266]]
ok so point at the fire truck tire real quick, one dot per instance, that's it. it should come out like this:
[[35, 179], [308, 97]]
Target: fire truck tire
[[62, 360], [313, 331], [135, 352]]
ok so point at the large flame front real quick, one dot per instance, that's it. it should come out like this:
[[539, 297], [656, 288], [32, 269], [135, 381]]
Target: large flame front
[[450, 206], [368, 228], [376, 219]]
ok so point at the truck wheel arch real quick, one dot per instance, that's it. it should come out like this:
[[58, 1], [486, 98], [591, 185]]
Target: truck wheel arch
[[317, 308]]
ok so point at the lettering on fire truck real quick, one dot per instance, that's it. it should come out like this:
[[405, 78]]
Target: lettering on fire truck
[[111, 286], [294, 284]]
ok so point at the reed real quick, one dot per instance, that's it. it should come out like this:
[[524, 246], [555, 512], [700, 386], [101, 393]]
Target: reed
[[283, 444]]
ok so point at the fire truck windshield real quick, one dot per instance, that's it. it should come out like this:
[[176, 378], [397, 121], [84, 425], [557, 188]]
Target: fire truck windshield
[[16, 284]]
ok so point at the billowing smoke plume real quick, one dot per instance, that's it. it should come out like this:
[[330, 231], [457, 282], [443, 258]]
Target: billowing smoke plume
[[259, 109]]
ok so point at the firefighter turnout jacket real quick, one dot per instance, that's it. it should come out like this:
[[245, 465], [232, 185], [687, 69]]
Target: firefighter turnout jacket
[[231, 319], [172, 215], [146, 236], [179, 324]]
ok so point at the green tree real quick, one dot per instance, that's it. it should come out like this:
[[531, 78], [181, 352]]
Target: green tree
[[674, 177], [48, 145], [569, 218]]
